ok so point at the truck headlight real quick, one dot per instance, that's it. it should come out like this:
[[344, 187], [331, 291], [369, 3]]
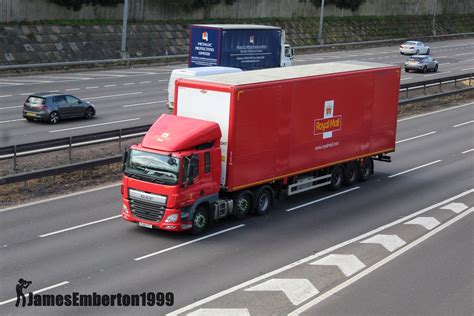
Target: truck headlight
[[172, 218]]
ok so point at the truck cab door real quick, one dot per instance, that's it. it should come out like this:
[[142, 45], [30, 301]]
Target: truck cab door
[[287, 55]]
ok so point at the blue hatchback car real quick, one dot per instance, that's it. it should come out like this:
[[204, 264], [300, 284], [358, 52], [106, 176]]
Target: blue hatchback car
[[54, 106]]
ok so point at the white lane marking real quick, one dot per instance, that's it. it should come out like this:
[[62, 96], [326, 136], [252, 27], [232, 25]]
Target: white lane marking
[[427, 222], [389, 242], [412, 169], [463, 54], [110, 85], [465, 123], [437, 73], [188, 242], [6, 84], [143, 82], [467, 60], [467, 69], [60, 197], [79, 226], [348, 264], [128, 83], [162, 80], [94, 87], [415, 137], [220, 312], [312, 257], [455, 207], [17, 120], [61, 77], [297, 290], [379, 264], [6, 96], [444, 63], [38, 291], [144, 103], [321, 199], [11, 107], [27, 93], [435, 112], [406, 78], [27, 81], [73, 89], [113, 95], [467, 151], [93, 125]]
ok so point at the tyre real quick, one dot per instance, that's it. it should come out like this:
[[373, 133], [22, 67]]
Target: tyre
[[435, 68], [53, 117], [425, 69], [200, 221], [242, 204], [351, 173], [89, 114], [428, 52], [337, 177], [29, 119], [417, 52], [365, 169], [263, 201], [407, 70]]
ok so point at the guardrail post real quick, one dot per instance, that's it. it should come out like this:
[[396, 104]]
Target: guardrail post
[[470, 76], [70, 149], [407, 93], [424, 89], [14, 157], [120, 139], [440, 87], [455, 83]]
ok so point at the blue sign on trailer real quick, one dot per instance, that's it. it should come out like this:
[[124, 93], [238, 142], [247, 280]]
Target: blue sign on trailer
[[240, 46]]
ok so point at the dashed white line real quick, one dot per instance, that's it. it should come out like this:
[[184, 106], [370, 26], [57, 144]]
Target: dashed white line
[[93, 125], [5, 96], [95, 87], [321, 199], [467, 69], [113, 95], [467, 151], [73, 89], [465, 123], [144, 103], [415, 137], [406, 78], [27, 93], [38, 291], [110, 85], [437, 74], [162, 80], [128, 83], [11, 107], [413, 169], [189, 242], [80, 226], [143, 82], [9, 121], [463, 54]]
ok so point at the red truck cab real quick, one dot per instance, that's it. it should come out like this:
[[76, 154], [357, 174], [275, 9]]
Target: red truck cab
[[181, 156]]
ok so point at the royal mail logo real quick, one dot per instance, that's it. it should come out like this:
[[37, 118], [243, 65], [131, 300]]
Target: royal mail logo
[[205, 36], [325, 125]]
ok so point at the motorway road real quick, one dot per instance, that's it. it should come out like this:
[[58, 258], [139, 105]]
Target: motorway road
[[132, 97], [412, 220]]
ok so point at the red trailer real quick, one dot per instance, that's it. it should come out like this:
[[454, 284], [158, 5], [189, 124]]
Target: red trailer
[[239, 140]]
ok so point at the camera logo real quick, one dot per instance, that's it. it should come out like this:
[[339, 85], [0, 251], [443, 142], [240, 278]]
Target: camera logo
[[22, 284]]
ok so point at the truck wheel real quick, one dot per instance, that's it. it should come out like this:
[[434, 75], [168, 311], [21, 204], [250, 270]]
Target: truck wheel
[[337, 177], [351, 173], [365, 169], [200, 221], [263, 201], [242, 204]]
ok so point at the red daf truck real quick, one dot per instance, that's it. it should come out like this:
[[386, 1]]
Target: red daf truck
[[236, 142]]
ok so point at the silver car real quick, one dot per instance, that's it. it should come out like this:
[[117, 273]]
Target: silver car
[[414, 48], [423, 63]]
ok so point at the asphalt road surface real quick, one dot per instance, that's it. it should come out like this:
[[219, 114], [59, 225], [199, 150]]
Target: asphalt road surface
[[400, 243], [137, 96]]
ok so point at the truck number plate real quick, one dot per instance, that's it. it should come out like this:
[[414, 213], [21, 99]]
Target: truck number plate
[[145, 225]]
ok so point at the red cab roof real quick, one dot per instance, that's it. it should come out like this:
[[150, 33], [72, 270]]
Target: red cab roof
[[176, 133]]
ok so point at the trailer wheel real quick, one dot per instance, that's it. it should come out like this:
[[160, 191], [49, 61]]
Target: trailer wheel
[[263, 201], [365, 169], [337, 177], [200, 220], [242, 204], [351, 173]]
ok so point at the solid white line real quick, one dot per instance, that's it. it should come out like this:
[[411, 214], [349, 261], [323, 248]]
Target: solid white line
[[412, 169], [39, 291], [17, 120], [73, 89], [93, 125], [467, 69], [321, 199], [112, 95], [145, 103], [465, 123], [12, 107], [312, 257], [6, 96], [79, 226], [189, 242], [415, 137], [379, 264], [467, 151], [60, 197], [435, 112]]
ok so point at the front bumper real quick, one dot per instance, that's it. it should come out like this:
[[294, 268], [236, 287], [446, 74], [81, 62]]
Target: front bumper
[[177, 225]]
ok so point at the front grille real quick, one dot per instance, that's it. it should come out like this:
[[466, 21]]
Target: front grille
[[146, 210]]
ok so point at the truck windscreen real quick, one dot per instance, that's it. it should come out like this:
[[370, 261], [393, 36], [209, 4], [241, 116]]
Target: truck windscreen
[[152, 167]]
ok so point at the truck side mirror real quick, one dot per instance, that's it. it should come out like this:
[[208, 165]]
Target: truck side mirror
[[125, 158]]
